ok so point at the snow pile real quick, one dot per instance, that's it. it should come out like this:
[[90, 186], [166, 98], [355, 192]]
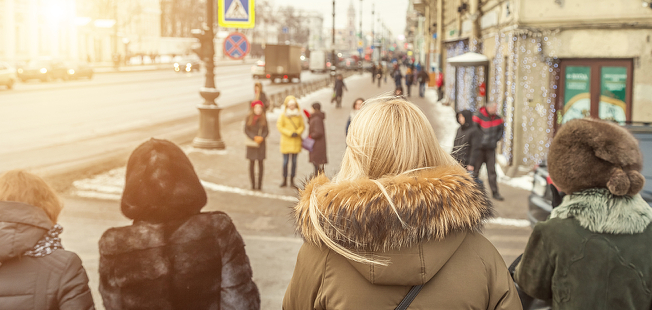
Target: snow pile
[[445, 116]]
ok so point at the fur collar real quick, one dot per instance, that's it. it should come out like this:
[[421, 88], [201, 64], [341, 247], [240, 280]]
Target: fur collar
[[433, 203], [602, 212]]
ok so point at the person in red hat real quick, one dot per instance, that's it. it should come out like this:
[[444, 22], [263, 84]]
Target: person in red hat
[[256, 130]]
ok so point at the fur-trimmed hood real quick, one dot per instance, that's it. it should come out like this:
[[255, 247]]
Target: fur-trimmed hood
[[600, 211], [433, 203]]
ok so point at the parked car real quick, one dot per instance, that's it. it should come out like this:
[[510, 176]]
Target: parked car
[[258, 70], [318, 61], [187, 64], [43, 69], [540, 199], [7, 75], [305, 63], [78, 69]]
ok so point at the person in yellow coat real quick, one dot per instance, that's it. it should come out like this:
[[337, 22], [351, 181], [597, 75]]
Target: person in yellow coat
[[291, 126]]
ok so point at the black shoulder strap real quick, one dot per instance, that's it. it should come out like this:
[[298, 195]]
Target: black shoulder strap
[[411, 295]]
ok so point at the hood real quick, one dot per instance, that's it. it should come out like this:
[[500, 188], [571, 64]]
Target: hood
[[439, 206], [21, 227], [161, 184], [483, 111], [468, 118]]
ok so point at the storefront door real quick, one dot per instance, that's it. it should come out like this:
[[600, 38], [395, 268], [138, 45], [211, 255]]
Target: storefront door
[[595, 88]]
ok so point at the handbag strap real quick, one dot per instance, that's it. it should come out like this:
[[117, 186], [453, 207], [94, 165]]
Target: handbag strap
[[291, 121], [411, 295]]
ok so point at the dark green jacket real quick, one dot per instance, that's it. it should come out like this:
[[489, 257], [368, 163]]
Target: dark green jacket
[[595, 252]]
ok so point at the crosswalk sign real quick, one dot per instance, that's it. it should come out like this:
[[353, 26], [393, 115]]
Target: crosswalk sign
[[236, 13]]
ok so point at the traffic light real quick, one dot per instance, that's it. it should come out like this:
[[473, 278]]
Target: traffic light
[[206, 44]]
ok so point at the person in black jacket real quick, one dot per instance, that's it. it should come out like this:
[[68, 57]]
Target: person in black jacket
[[466, 147], [317, 132], [492, 128], [256, 129], [339, 88], [173, 256]]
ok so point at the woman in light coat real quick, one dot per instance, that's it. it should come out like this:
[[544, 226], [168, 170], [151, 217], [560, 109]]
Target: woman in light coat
[[401, 214], [290, 124]]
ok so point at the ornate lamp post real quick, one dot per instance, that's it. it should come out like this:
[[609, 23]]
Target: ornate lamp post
[[208, 136]]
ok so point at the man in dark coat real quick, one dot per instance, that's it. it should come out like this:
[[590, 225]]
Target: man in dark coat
[[172, 256], [466, 146], [492, 129], [339, 88], [317, 132], [422, 78]]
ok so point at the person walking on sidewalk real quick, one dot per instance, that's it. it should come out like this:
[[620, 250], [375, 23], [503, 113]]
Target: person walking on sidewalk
[[379, 73], [386, 225], [492, 131], [373, 73], [409, 80], [35, 271], [466, 146], [398, 77], [290, 125], [357, 105], [317, 132], [422, 78], [257, 130], [173, 256], [339, 88], [259, 94]]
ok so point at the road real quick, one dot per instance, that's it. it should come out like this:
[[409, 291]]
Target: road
[[38, 116]]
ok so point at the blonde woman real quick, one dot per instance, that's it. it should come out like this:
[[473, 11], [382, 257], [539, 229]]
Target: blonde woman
[[35, 271], [401, 215], [290, 124]]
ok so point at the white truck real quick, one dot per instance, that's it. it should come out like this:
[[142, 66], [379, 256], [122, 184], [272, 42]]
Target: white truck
[[317, 61]]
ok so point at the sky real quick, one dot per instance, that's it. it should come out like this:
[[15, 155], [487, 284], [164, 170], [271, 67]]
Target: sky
[[391, 12]]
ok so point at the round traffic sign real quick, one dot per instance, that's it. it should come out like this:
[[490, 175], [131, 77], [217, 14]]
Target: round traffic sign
[[236, 46]]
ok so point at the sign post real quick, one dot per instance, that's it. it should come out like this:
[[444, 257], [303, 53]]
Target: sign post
[[236, 14]]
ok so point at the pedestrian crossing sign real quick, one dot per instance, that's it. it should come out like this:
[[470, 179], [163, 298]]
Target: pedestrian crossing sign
[[236, 13]]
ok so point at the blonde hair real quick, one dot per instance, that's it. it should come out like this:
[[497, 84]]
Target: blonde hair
[[389, 136], [22, 186], [260, 89]]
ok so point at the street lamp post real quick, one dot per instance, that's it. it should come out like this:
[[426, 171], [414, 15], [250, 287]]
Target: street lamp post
[[361, 46], [208, 136], [333, 62]]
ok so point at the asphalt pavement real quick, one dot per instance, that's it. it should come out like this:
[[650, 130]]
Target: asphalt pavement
[[263, 218]]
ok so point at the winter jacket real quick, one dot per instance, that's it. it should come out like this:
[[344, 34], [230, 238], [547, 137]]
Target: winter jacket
[[318, 133], [256, 153], [339, 87], [439, 246], [593, 253], [265, 100], [409, 78], [53, 281], [398, 77], [287, 125], [423, 77], [466, 147], [491, 126]]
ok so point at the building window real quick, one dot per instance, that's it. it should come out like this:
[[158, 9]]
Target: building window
[[595, 88]]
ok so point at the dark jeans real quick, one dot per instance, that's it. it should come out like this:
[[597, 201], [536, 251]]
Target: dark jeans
[[409, 89], [286, 158], [422, 89], [252, 173], [488, 157]]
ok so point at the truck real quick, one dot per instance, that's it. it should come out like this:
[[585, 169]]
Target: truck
[[317, 61], [283, 62]]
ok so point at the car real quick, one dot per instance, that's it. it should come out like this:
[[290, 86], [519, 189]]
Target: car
[[540, 199], [187, 64], [7, 75], [43, 69], [258, 70], [78, 69]]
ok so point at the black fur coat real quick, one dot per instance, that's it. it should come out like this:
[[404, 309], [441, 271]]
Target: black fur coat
[[198, 262]]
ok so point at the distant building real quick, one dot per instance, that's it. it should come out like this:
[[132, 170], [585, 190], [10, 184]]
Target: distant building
[[316, 27]]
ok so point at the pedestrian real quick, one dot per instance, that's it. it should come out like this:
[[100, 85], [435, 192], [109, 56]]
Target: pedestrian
[[439, 82], [593, 251], [317, 132], [338, 89], [385, 72], [409, 80], [290, 125], [256, 129], [379, 73], [357, 105], [373, 73], [393, 220], [259, 94], [466, 146], [398, 77], [173, 256], [35, 271], [422, 78], [492, 128]]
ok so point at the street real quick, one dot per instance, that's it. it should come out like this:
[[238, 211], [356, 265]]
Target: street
[[263, 218], [45, 123]]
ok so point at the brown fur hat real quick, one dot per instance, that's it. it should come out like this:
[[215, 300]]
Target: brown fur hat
[[588, 153]]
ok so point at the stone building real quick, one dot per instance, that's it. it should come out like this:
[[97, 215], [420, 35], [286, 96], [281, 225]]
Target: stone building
[[547, 62]]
